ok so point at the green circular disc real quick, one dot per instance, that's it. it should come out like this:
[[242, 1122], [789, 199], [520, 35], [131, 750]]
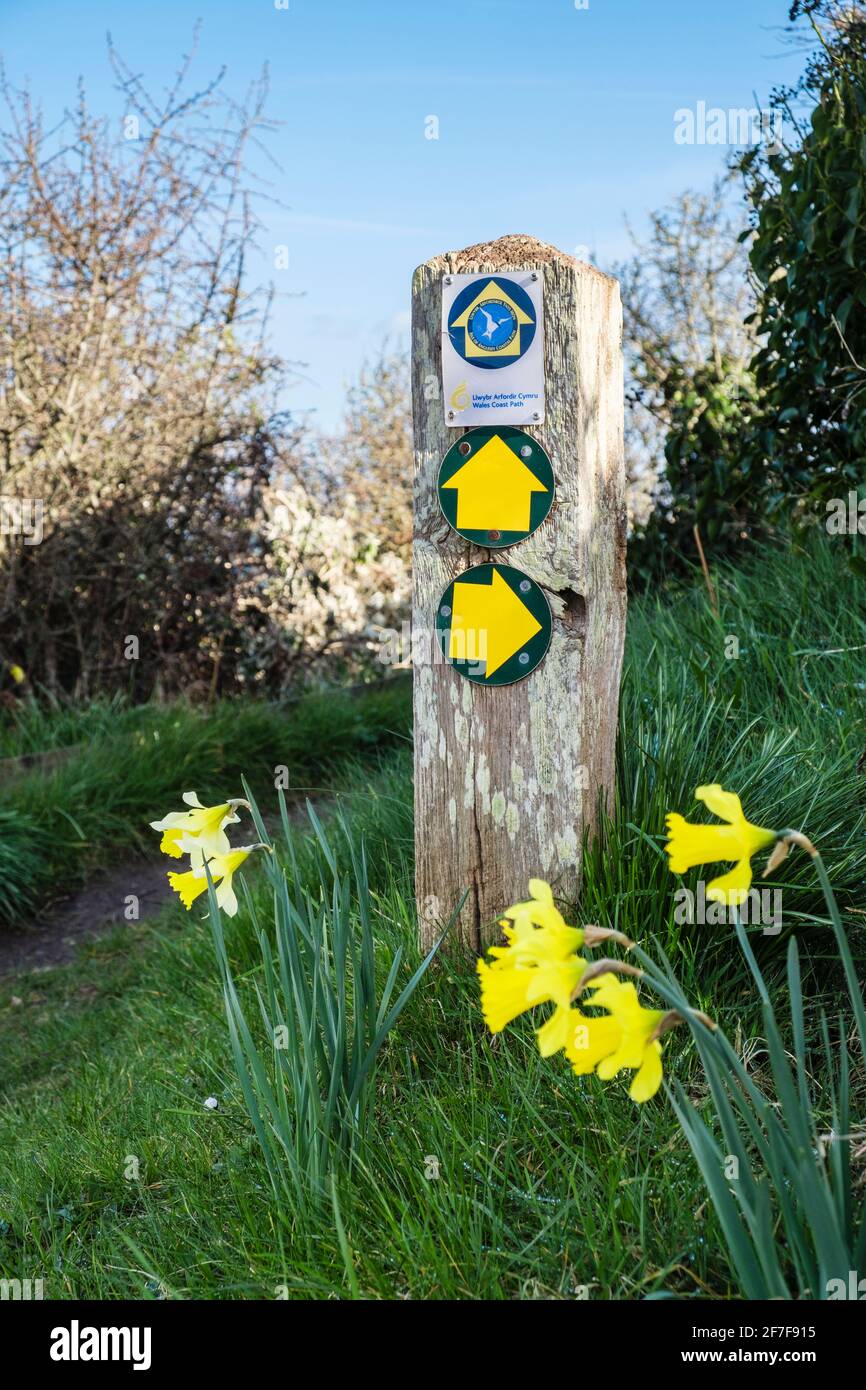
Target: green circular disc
[[493, 624], [495, 486]]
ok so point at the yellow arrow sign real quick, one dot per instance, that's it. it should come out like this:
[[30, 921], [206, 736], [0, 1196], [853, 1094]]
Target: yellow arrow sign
[[494, 489], [490, 622]]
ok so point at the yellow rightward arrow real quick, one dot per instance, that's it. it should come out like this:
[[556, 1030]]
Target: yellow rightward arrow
[[489, 623], [494, 489]]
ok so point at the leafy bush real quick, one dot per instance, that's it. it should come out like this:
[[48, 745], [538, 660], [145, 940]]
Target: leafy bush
[[142, 420], [706, 481], [187, 536], [808, 249]]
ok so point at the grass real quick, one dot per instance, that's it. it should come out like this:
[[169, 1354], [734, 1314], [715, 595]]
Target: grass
[[116, 1181], [35, 726], [542, 1185], [56, 829], [783, 723]]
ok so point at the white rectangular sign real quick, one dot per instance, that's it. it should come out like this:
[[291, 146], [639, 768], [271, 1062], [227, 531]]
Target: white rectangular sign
[[493, 348]]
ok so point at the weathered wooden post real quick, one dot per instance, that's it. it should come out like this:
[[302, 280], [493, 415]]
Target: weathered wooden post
[[513, 747]]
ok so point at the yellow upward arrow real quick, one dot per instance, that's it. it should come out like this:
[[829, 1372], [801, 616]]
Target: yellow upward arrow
[[494, 489], [489, 623]]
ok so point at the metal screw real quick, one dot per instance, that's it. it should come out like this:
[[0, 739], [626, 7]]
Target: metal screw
[[524, 658], [465, 448], [525, 451], [447, 279], [525, 586], [451, 415], [535, 415], [534, 275], [494, 535], [445, 611]]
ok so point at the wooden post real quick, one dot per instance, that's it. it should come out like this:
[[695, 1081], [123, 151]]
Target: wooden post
[[508, 778]]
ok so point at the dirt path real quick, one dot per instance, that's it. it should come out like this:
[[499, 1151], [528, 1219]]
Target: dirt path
[[52, 937]]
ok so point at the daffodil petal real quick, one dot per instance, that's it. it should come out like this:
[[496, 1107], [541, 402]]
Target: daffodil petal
[[188, 887], [541, 891], [170, 843], [213, 845], [590, 1040], [553, 1035], [227, 898], [648, 1079], [732, 888], [175, 818], [609, 1066], [725, 805], [613, 993]]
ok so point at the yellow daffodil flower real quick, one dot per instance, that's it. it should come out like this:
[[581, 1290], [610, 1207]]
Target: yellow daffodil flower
[[536, 931], [17, 674], [537, 966], [737, 840], [508, 992], [223, 867], [540, 965], [198, 832], [584, 1040], [589, 1040], [637, 1049]]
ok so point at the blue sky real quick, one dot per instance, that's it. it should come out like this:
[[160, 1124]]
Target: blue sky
[[552, 120]]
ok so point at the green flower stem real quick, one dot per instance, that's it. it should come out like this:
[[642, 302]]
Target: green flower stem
[[853, 983]]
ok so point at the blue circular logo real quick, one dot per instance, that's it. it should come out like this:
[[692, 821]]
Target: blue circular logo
[[492, 322]]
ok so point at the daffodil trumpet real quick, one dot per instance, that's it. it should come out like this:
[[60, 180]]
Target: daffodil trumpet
[[200, 830]]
